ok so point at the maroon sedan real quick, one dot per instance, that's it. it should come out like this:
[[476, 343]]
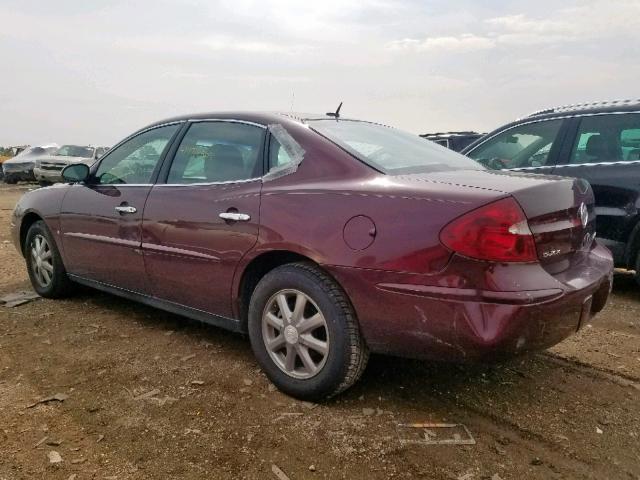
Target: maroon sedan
[[324, 239]]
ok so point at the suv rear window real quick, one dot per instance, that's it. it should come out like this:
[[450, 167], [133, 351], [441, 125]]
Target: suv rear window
[[389, 150], [607, 138]]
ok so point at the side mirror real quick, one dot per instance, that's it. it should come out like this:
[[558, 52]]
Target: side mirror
[[75, 173]]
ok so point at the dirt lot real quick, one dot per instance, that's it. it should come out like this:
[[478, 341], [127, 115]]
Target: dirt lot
[[208, 412]]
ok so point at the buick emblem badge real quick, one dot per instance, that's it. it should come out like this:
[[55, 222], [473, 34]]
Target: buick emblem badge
[[583, 212]]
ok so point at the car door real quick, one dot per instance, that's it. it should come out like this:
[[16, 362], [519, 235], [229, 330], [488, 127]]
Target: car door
[[606, 151], [101, 219], [199, 224], [531, 147]]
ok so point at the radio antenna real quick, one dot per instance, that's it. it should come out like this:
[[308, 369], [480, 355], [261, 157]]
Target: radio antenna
[[335, 114]]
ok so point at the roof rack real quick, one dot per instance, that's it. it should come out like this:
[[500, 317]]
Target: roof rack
[[585, 106]]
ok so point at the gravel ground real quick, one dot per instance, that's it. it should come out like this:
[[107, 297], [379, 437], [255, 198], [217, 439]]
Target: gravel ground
[[150, 395]]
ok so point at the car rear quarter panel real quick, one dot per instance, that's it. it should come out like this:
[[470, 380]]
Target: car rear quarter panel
[[306, 212]]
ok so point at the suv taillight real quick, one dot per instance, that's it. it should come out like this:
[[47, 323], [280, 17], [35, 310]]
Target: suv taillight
[[496, 232]]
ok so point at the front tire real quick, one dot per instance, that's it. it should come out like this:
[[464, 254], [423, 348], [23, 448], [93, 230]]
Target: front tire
[[304, 333], [44, 263]]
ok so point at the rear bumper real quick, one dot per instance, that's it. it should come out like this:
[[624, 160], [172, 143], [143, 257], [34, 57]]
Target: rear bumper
[[423, 317]]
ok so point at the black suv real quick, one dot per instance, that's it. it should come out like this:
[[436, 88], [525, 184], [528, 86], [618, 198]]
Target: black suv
[[599, 142], [455, 141]]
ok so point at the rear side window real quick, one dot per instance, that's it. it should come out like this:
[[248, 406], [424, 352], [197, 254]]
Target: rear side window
[[523, 146], [607, 138], [278, 156], [213, 152]]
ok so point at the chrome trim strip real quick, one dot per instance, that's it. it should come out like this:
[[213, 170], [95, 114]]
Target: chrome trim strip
[[228, 120], [595, 164], [519, 169], [104, 239], [163, 249], [204, 184], [117, 185]]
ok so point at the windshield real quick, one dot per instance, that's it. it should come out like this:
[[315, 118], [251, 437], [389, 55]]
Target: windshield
[[389, 150], [75, 151]]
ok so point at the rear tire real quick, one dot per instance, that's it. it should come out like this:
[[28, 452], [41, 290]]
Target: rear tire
[[10, 181], [637, 275], [44, 263], [315, 347]]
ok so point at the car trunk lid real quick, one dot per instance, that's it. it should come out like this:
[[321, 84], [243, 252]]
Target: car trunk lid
[[560, 210]]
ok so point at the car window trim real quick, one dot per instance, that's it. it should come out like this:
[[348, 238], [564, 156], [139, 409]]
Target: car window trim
[[170, 157], [161, 160], [597, 164]]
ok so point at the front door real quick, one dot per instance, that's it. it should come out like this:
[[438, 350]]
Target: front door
[[101, 220], [529, 147], [199, 224], [606, 152]]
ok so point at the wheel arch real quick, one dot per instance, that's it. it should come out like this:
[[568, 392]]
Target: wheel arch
[[255, 269], [28, 219], [633, 246]]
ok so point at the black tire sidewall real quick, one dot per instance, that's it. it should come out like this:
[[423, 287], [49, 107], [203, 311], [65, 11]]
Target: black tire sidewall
[[59, 277], [335, 368]]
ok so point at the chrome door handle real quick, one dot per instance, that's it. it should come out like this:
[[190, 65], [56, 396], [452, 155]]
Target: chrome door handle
[[126, 209], [235, 217]]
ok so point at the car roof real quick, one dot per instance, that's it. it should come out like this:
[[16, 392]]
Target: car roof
[[262, 118], [610, 106]]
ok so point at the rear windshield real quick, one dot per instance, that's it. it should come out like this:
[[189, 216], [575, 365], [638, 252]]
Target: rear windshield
[[389, 150]]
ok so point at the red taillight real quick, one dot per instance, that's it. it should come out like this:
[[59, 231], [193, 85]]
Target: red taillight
[[497, 232]]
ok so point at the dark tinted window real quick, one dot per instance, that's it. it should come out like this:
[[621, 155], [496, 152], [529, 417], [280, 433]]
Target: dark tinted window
[[218, 152], [134, 161], [607, 138], [526, 145], [389, 150]]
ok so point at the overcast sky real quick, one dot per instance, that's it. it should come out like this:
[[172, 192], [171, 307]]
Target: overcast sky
[[75, 71]]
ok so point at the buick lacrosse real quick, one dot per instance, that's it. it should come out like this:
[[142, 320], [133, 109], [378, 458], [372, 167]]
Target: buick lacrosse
[[324, 239]]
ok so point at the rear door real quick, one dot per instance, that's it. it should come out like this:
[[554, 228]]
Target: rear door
[[101, 220], [531, 146], [606, 151], [199, 224]]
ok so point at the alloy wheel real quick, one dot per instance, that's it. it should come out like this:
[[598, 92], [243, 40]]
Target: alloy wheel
[[42, 260], [295, 334]]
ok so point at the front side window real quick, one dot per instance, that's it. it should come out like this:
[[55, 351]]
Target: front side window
[[607, 138], [213, 152], [389, 150], [134, 161], [522, 146]]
